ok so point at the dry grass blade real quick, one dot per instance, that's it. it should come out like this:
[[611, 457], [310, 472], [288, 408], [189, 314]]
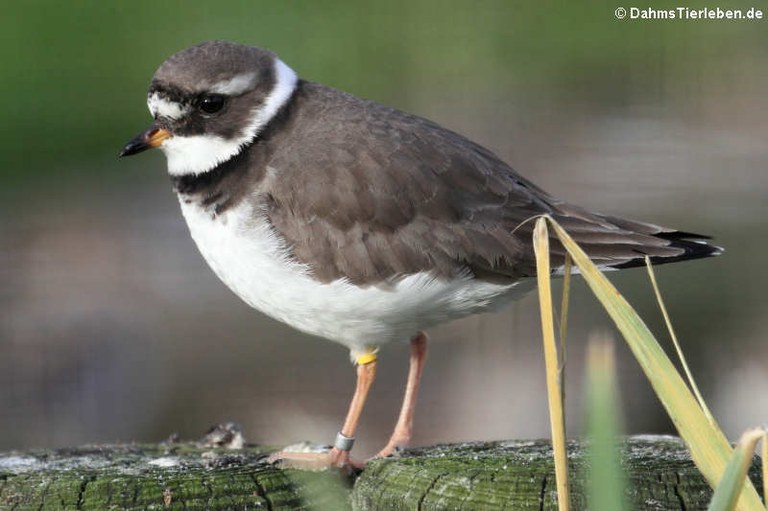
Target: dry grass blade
[[567, 267], [672, 334], [554, 394], [709, 447], [765, 467]]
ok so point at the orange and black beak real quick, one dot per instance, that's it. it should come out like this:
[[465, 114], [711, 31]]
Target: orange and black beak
[[153, 137]]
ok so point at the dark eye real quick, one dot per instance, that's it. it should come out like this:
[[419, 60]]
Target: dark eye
[[212, 103]]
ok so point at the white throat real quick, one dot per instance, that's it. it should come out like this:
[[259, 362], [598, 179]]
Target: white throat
[[198, 154]]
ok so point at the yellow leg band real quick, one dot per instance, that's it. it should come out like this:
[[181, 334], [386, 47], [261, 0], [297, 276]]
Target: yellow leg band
[[367, 358]]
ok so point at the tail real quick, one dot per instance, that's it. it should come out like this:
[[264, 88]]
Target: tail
[[613, 242]]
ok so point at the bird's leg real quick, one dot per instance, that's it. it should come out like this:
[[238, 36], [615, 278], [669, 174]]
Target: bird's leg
[[339, 454], [366, 373], [404, 427]]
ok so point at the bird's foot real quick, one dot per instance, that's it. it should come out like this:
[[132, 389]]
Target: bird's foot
[[333, 458], [394, 447]]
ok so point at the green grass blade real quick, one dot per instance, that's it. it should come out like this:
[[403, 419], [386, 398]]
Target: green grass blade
[[606, 479], [554, 392], [727, 492], [709, 447]]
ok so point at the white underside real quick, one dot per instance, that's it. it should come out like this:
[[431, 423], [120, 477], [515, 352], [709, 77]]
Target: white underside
[[245, 252]]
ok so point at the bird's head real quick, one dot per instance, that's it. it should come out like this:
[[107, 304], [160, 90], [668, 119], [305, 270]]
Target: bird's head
[[211, 100]]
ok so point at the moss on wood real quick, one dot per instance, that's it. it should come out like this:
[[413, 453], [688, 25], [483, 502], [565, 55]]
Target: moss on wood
[[475, 476]]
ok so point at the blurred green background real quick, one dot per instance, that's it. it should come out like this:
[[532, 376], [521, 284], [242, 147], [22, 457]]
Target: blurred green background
[[113, 328]]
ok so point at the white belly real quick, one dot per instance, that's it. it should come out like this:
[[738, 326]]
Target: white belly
[[244, 251]]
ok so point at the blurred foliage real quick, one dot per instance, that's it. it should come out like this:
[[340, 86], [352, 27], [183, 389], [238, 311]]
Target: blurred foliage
[[607, 481], [74, 73]]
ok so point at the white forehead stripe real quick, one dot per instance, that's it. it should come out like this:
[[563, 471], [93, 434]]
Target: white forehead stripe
[[236, 85], [161, 107], [200, 153]]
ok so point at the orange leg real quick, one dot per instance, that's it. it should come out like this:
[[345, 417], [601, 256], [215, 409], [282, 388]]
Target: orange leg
[[366, 373], [404, 427], [339, 455]]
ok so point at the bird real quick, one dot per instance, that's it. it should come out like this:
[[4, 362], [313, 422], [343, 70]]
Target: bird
[[353, 221]]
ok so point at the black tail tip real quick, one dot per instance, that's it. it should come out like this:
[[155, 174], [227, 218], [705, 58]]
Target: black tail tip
[[692, 246]]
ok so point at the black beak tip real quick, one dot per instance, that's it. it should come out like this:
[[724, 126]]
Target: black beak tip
[[135, 146]]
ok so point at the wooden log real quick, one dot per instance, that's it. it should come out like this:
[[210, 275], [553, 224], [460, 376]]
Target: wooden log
[[520, 475], [162, 477], [475, 476]]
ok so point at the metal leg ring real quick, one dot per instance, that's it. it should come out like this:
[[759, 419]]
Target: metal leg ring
[[343, 442]]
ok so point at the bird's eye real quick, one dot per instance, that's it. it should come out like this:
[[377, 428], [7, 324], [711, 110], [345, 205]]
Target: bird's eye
[[212, 103]]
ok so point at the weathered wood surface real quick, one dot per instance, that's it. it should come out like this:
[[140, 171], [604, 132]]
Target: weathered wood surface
[[492, 476]]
